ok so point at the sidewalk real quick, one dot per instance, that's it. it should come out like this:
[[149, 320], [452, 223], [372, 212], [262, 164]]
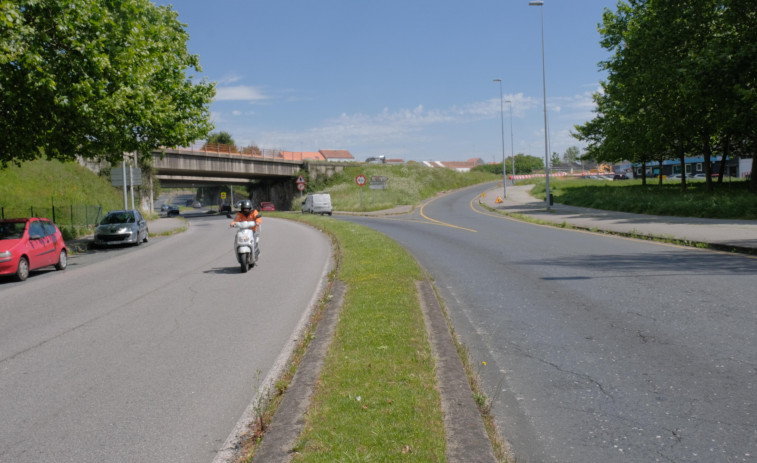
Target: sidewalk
[[730, 235]]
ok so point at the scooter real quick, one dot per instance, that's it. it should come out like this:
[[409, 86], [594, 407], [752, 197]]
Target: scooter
[[245, 245]]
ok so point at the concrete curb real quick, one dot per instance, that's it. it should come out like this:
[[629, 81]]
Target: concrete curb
[[467, 441], [281, 436]]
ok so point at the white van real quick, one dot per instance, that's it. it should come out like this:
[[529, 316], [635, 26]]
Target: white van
[[317, 204]]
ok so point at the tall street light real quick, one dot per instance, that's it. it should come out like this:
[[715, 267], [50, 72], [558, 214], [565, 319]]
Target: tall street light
[[512, 149], [540, 3], [502, 120]]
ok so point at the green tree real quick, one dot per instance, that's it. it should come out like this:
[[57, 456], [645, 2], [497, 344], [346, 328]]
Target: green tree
[[681, 80], [527, 164], [571, 154], [96, 79], [221, 138], [555, 160]]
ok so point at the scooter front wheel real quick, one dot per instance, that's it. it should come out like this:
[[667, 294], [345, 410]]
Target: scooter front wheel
[[243, 262]]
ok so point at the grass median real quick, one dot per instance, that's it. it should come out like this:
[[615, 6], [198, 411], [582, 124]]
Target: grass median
[[376, 399]]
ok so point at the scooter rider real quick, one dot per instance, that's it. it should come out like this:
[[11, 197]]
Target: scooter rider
[[248, 214]]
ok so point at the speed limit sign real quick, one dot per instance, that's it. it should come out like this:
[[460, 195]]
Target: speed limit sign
[[360, 180], [301, 186]]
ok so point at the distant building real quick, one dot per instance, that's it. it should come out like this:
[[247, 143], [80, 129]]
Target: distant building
[[692, 166], [337, 155], [301, 155], [321, 155], [459, 166]]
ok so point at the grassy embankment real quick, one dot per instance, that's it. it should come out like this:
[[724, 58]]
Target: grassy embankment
[[407, 185], [729, 200], [39, 185]]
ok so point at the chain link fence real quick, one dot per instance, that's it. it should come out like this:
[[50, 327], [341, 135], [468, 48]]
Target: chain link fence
[[74, 220]]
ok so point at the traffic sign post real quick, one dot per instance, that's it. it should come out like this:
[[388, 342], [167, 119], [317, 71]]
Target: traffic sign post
[[301, 184], [360, 180], [378, 183]]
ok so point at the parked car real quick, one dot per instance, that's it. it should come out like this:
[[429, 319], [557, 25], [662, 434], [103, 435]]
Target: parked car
[[197, 204], [701, 176], [620, 177], [169, 210], [266, 206], [29, 244], [122, 227], [317, 204], [674, 177]]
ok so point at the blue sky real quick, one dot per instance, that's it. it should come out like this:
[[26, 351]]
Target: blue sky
[[410, 79]]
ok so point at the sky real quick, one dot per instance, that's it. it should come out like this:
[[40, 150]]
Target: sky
[[408, 79]]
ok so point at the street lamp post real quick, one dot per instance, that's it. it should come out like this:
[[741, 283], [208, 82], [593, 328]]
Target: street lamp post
[[540, 3], [502, 121], [512, 149]]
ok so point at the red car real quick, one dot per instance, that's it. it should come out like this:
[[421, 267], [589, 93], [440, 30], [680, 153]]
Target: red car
[[266, 206], [29, 244]]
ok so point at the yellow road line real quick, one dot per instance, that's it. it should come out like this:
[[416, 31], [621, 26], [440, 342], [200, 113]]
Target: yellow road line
[[439, 222]]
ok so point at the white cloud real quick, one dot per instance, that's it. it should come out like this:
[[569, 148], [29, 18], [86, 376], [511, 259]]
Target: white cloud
[[239, 93], [229, 79], [436, 132]]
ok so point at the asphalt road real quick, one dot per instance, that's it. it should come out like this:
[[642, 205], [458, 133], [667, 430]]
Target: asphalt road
[[150, 353], [596, 348]]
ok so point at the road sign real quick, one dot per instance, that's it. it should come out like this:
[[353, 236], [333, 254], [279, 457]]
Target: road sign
[[223, 195], [360, 180], [300, 180], [301, 186], [133, 176], [378, 182]]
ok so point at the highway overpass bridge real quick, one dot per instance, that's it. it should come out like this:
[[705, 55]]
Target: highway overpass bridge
[[177, 168], [267, 178]]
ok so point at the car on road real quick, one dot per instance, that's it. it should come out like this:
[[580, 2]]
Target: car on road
[[169, 210], [122, 227], [29, 244], [267, 206], [317, 203]]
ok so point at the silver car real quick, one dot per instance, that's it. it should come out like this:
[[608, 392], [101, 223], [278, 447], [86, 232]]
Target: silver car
[[122, 227]]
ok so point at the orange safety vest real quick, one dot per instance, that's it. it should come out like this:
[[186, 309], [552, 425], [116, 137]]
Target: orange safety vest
[[254, 216]]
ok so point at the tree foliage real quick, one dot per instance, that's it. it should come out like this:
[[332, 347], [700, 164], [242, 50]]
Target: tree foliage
[[571, 154], [523, 165], [682, 80], [96, 78], [220, 138]]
